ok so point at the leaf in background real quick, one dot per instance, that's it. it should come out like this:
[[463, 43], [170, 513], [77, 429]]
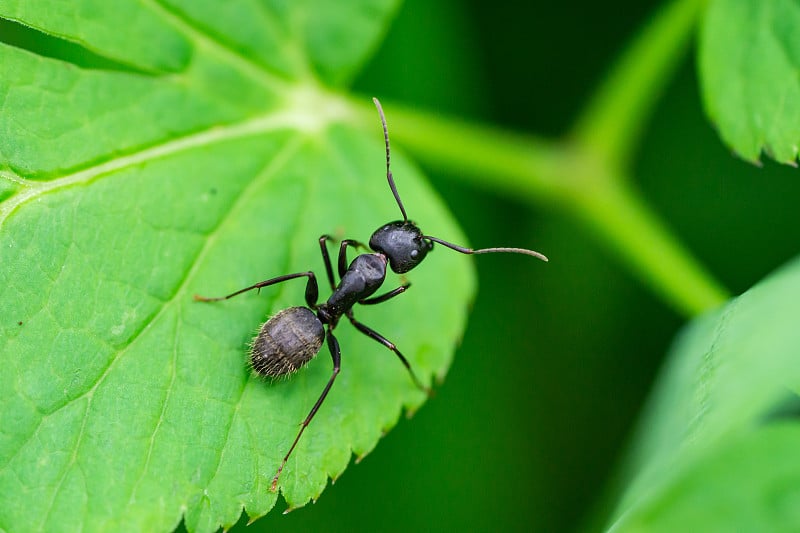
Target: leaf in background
[[714, 446], [207, 159], [750, 74], [750, 483]]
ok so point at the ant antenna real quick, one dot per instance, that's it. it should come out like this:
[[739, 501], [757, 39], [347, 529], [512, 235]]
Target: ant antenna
[[389, 172], [470, 251]]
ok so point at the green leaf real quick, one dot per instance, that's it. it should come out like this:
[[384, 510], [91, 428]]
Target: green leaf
[[750, 74], [723, 429], [750, 483], [211, 159]]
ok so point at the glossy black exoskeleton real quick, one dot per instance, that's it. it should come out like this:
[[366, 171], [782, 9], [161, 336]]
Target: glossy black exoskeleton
[[292, 337]]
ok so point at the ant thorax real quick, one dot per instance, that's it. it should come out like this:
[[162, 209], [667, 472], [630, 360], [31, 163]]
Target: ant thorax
[[364, 276]]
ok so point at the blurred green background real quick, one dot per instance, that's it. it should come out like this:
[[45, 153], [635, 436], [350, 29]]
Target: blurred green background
[[527, 430]]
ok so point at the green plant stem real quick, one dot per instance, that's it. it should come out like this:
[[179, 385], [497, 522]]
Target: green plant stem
[[587, 174], [613, 121], [564, 175], [617, 213]]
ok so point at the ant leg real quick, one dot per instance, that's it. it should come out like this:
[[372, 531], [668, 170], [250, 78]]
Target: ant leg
[[323, 245], [312, 289], [333, 346], [372, 334], [383, 297], [343, 254]]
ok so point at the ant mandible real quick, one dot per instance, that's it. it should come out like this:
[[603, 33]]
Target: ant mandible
[[291, 338]]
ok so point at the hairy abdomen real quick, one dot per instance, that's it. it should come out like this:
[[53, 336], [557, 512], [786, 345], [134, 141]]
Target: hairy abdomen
[[286, 342]]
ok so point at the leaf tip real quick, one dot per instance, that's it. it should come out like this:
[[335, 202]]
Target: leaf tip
[[754, 160]]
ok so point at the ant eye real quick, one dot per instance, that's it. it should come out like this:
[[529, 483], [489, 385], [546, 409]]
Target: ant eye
[[414, 254]]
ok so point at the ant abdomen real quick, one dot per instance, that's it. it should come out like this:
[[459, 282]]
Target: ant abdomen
[[286, 342]]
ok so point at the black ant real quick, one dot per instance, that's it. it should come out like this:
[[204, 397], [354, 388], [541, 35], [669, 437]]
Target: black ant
[[291, 338]]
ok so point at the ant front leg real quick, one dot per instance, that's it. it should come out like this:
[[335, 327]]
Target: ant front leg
[[312, 289], [333, 347], [326, 258], [374, 335], [383, 297], [343, 254]]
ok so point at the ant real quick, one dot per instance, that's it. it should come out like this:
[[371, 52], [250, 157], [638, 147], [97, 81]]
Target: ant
[[291, 338]]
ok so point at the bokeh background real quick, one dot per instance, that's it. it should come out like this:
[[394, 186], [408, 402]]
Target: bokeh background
[[534, 417]]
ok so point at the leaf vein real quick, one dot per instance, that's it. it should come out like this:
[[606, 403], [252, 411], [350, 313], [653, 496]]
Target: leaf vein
[[256, 126], [290, 247], [73, 459], [275, 163], [206, 40], [168, 393]]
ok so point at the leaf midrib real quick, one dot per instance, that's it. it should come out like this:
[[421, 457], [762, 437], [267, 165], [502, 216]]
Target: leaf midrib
[[299, 119]]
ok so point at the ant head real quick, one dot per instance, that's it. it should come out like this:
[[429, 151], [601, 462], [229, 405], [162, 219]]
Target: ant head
[[402, 243]]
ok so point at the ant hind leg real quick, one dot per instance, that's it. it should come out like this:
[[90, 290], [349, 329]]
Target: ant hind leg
[[374, 335]]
